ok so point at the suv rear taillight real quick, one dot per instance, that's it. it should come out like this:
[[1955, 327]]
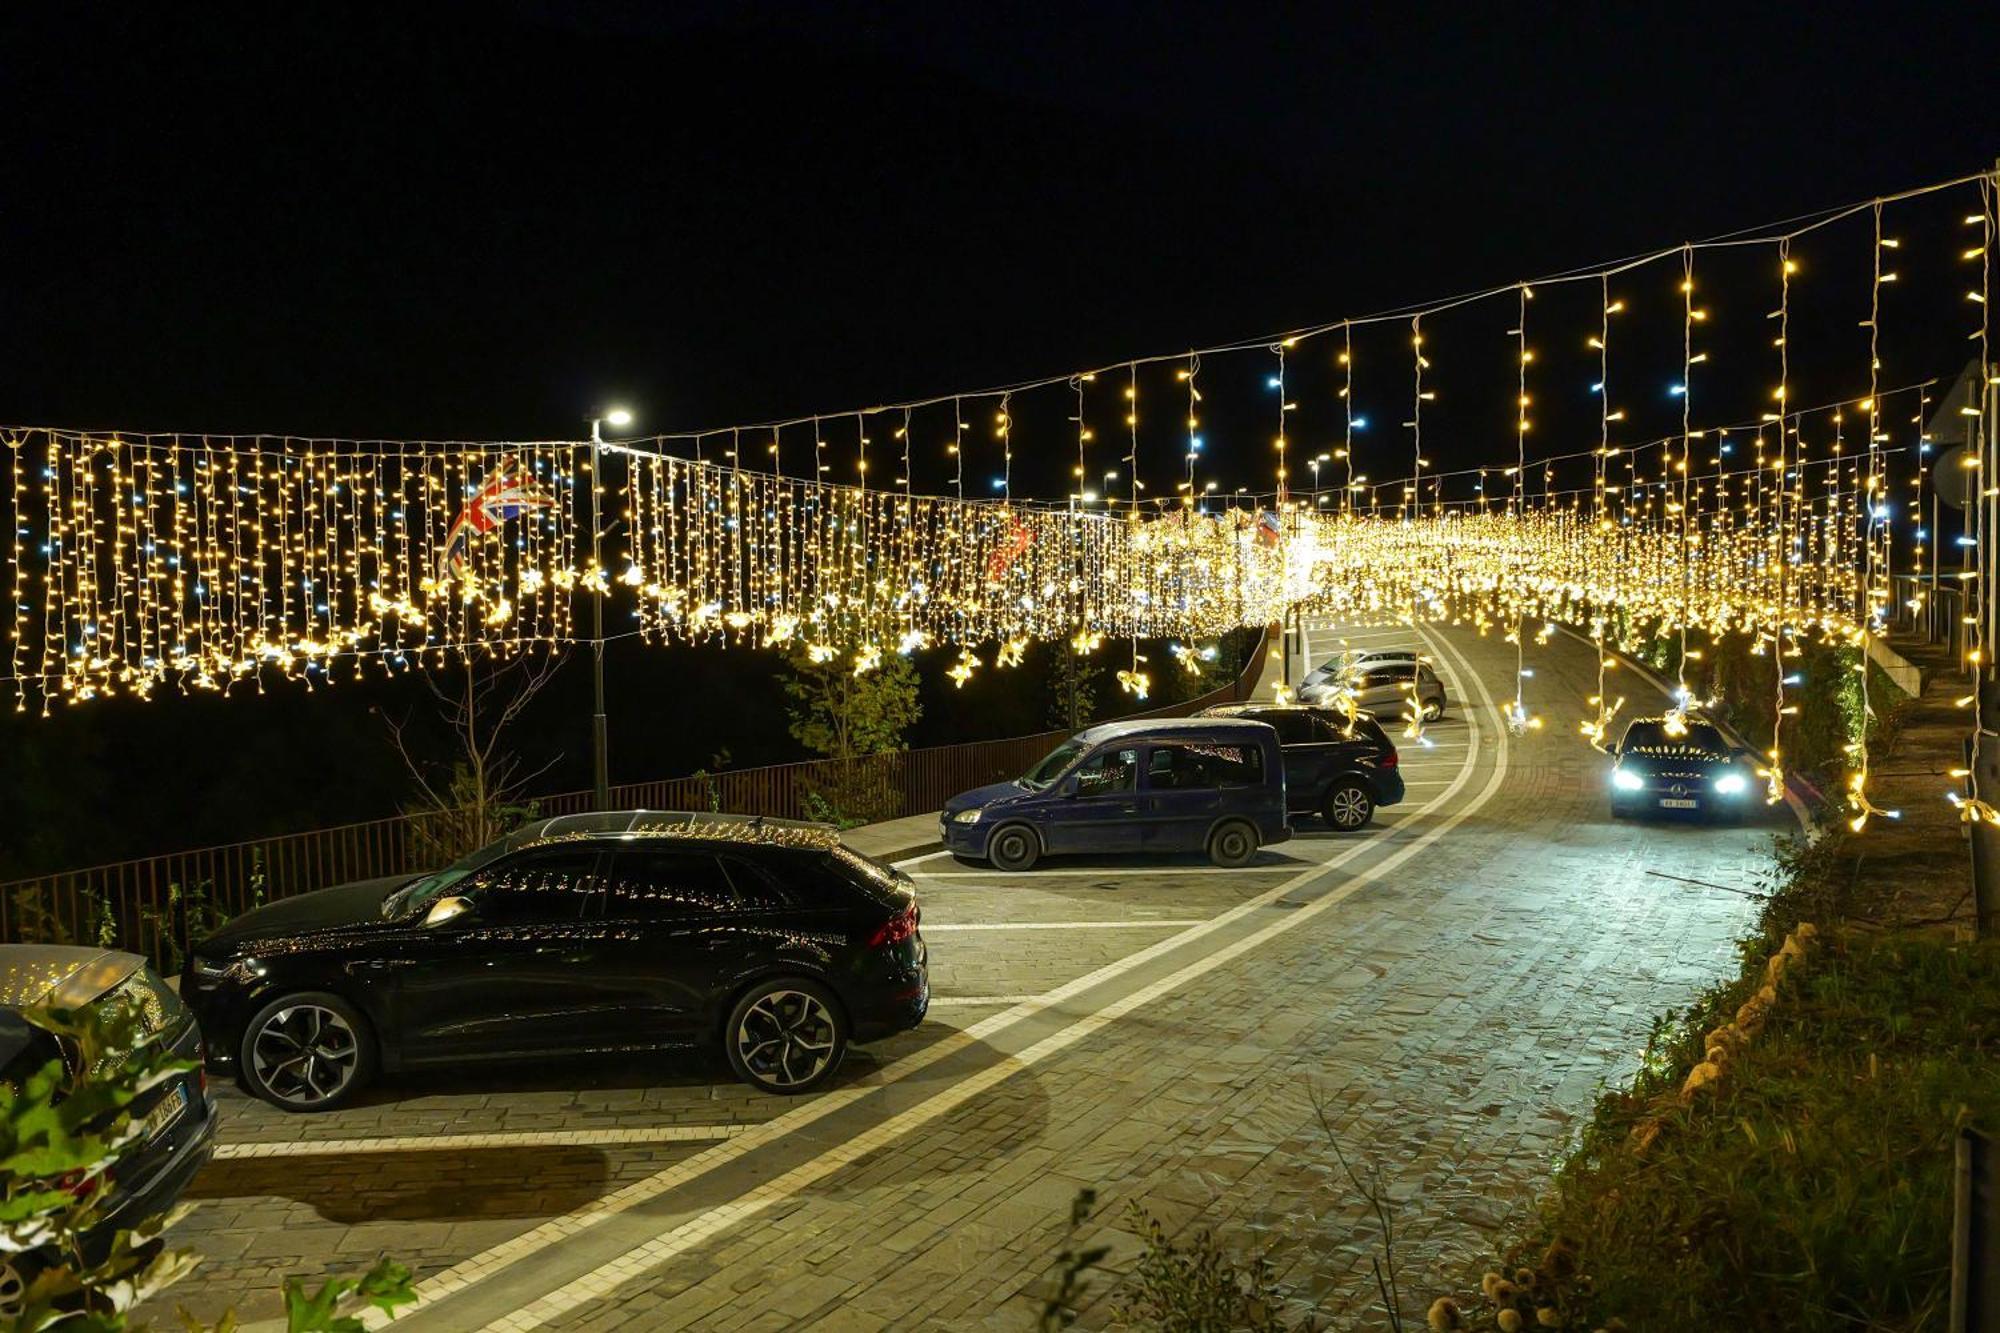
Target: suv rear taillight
[[1389, 760], [896, 929]]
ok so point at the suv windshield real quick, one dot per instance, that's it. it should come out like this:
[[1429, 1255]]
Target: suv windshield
[[1653, 736], [421, 892], [1041, 775]]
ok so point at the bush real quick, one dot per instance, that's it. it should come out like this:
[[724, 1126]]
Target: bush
[[1809, 1186], [58, 1133]]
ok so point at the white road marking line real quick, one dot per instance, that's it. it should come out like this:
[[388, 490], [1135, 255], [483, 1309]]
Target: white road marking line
[[919, 860], [477, 1268], [555, 1138], [972, 1001], [1068, 925], [1125, 871], [608, 1277]]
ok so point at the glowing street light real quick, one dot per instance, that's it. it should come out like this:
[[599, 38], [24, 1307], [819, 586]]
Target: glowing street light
[[600, 742]]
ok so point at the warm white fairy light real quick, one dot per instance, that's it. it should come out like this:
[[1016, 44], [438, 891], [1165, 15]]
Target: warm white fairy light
[[138, 562]]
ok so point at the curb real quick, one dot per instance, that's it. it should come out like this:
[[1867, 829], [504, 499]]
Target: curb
[[905, 853]]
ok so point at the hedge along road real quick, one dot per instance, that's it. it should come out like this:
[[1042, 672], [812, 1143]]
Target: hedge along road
[[568, 1263]]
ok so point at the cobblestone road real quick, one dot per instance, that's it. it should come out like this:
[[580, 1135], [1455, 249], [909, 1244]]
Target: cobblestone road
[[1446, 992]]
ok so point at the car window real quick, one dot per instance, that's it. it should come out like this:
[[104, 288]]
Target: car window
[[770, 885], [1190, 765], [652, 883], [24, 1049], [1324, 730], [1707, 738], [1051, 765], [1292, 728], [1653, 735], [879, 882], [537, 887], [1107, 773]]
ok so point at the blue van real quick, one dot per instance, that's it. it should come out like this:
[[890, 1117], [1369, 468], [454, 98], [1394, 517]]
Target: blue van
[[1187, 785]]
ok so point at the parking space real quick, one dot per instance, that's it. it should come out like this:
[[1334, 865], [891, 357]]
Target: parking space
[[1150, 1029]]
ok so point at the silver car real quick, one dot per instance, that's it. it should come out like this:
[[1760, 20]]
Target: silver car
[[1322, 685], [1383, 688]]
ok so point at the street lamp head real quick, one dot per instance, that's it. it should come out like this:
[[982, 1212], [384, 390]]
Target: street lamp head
[[618, 416]]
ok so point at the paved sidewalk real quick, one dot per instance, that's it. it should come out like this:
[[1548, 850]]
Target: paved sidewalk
[[1449, 988], [895, 839], [1449, 1016]]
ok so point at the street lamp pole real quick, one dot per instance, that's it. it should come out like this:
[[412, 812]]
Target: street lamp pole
[[600, 729]]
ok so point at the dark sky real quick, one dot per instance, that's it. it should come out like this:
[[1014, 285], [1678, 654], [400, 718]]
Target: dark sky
[[428, 220]]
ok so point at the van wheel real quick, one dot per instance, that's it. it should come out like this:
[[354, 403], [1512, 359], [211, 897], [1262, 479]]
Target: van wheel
[[1348, 807], [1013, 847], [1232, 845]]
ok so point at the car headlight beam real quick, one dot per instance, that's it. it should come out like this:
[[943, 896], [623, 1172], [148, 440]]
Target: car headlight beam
[[1732, 784], [1625, 781], [966, 816]]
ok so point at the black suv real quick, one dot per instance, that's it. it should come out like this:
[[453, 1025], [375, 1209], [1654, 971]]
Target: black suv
[[1668, 765], [1331, 770], [632, 931]]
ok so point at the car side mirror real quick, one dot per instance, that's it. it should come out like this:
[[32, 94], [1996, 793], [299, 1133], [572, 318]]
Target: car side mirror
[[1068, 789], [449, 908]]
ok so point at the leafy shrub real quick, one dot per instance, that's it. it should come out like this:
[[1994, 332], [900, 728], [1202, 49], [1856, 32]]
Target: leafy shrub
[[61, 1135]]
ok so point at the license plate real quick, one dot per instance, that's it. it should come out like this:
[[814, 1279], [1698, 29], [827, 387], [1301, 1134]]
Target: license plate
[[1678, 802], [167, 1111]]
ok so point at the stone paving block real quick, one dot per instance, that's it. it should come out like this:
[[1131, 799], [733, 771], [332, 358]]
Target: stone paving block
[[1451, 1019]]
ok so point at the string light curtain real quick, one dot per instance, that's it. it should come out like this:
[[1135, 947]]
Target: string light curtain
[[199, 562], [205, 561]]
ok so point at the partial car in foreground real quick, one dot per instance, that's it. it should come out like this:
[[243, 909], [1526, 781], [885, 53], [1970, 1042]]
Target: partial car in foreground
[[1336, 770], [1677, 766], [767, 940], [175, 1119]]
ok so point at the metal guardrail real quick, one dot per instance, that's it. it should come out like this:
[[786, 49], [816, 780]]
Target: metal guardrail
[[144, 904]]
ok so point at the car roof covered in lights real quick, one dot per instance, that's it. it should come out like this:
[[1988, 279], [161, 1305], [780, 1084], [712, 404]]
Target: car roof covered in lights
[[620, 824], [1172, 726], [62, 976]]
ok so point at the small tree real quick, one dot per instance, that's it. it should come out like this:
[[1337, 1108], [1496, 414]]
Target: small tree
[[474, 796], [1075, 682], [846, 716]]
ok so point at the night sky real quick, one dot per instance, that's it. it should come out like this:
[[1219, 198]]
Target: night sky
[[440, 221], [436, 221]]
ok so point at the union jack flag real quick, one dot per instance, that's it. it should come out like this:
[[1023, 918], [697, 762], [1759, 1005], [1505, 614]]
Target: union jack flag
[[507, 493]]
